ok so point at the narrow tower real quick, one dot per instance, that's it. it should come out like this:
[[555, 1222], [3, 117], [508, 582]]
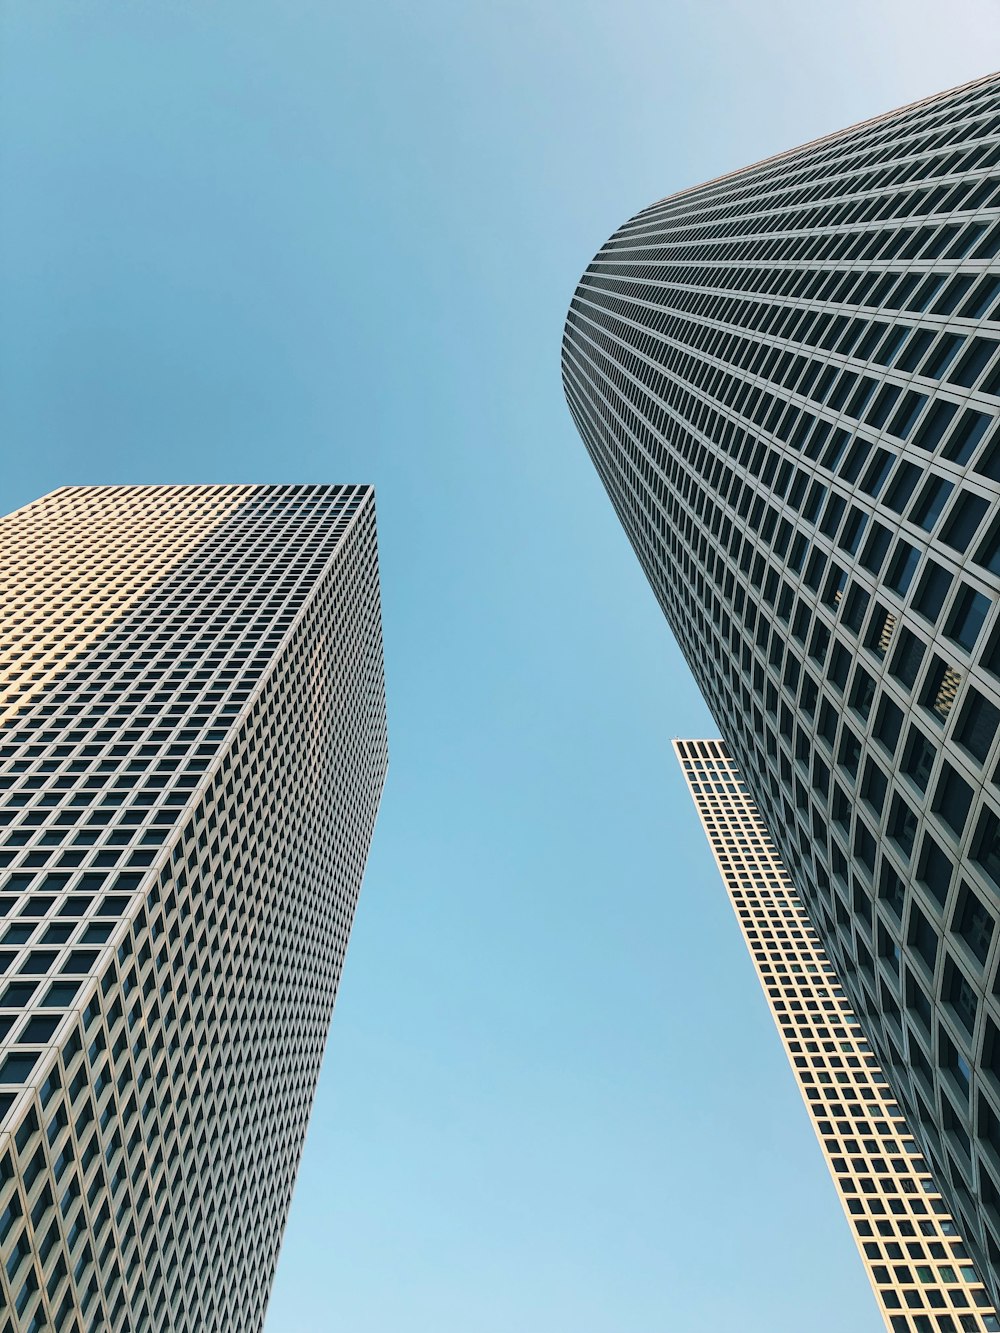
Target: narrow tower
[[919, 1267], [192, 750]]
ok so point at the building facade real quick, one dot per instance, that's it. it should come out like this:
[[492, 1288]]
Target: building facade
[[918, 1265], [192, 751], [789, 381]]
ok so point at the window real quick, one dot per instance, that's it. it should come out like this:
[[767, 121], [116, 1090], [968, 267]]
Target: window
[[840, 666], [960, 995], [932, 591], [880, 629], [903, 485], [974, 362], [815, 500], [862, 692], [986, 844], [836, 581], [977, 725], [988, 554], [919, 1005], [856, 459], [907, 658], [832, 514], [922, 937], [974, 923], [877, 471], [944, 352], [914, 351], [820, 642], [934, 870], [935, 423], [991, 1049], [892, 890], [967, 618], [828, 721], [876, 547], [903, 566], [963, 522], [850, 538], [902, 825], [907, 413], [874, 786], [850, 751], [918, 758], [931, 502], [963, 439], [814, 570], [954, 1061], [855, 608], [865, 848], [989, 1126], [888, 721], [952, 799], [940, 689], [840, 807]]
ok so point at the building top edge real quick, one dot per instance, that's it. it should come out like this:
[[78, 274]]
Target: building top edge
[[830, 137]]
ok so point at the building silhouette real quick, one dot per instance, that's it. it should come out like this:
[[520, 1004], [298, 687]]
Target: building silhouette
[[916, 1261], [789, 381], [192, 750]]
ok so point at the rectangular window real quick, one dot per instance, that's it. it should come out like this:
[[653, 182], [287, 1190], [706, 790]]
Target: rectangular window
[[935, 423], [977, 725], [952, 799], [907, 658], [902, 825], [986, 845], [974, 923], [903, 566], [888, 721], [966, 435], [933, 498], [934, 586], [874, 553], [903, 484], [922, 937], [967, 618], [963, 522], [934, 870], [940, 689], [918, 758]]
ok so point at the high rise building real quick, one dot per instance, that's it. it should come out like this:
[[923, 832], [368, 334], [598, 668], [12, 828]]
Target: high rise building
[[192, 750], [919, 1267], [789, 381]]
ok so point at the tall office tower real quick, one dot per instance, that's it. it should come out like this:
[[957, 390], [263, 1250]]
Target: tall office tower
[[916, 1261], [789, 380], [192, 749]]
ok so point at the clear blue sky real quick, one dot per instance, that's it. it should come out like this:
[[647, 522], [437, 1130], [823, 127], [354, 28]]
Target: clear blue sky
[[304, 240]]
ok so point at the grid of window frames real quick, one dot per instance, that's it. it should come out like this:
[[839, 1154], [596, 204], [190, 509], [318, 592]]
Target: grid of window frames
[[192, 750], [789, 381], [919, 1267]]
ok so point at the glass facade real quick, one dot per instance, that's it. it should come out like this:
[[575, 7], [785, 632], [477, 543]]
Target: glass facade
[[789, 381]]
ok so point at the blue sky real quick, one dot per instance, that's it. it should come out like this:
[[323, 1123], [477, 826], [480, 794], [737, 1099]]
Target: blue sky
[[314, 241]]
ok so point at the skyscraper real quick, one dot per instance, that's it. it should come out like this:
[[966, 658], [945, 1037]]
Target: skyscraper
[[917, 1263], [789, 381], [192, 750]]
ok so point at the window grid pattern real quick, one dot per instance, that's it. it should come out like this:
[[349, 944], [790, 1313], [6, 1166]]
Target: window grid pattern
[[789, 381], [921, 1272], [186, 807]]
